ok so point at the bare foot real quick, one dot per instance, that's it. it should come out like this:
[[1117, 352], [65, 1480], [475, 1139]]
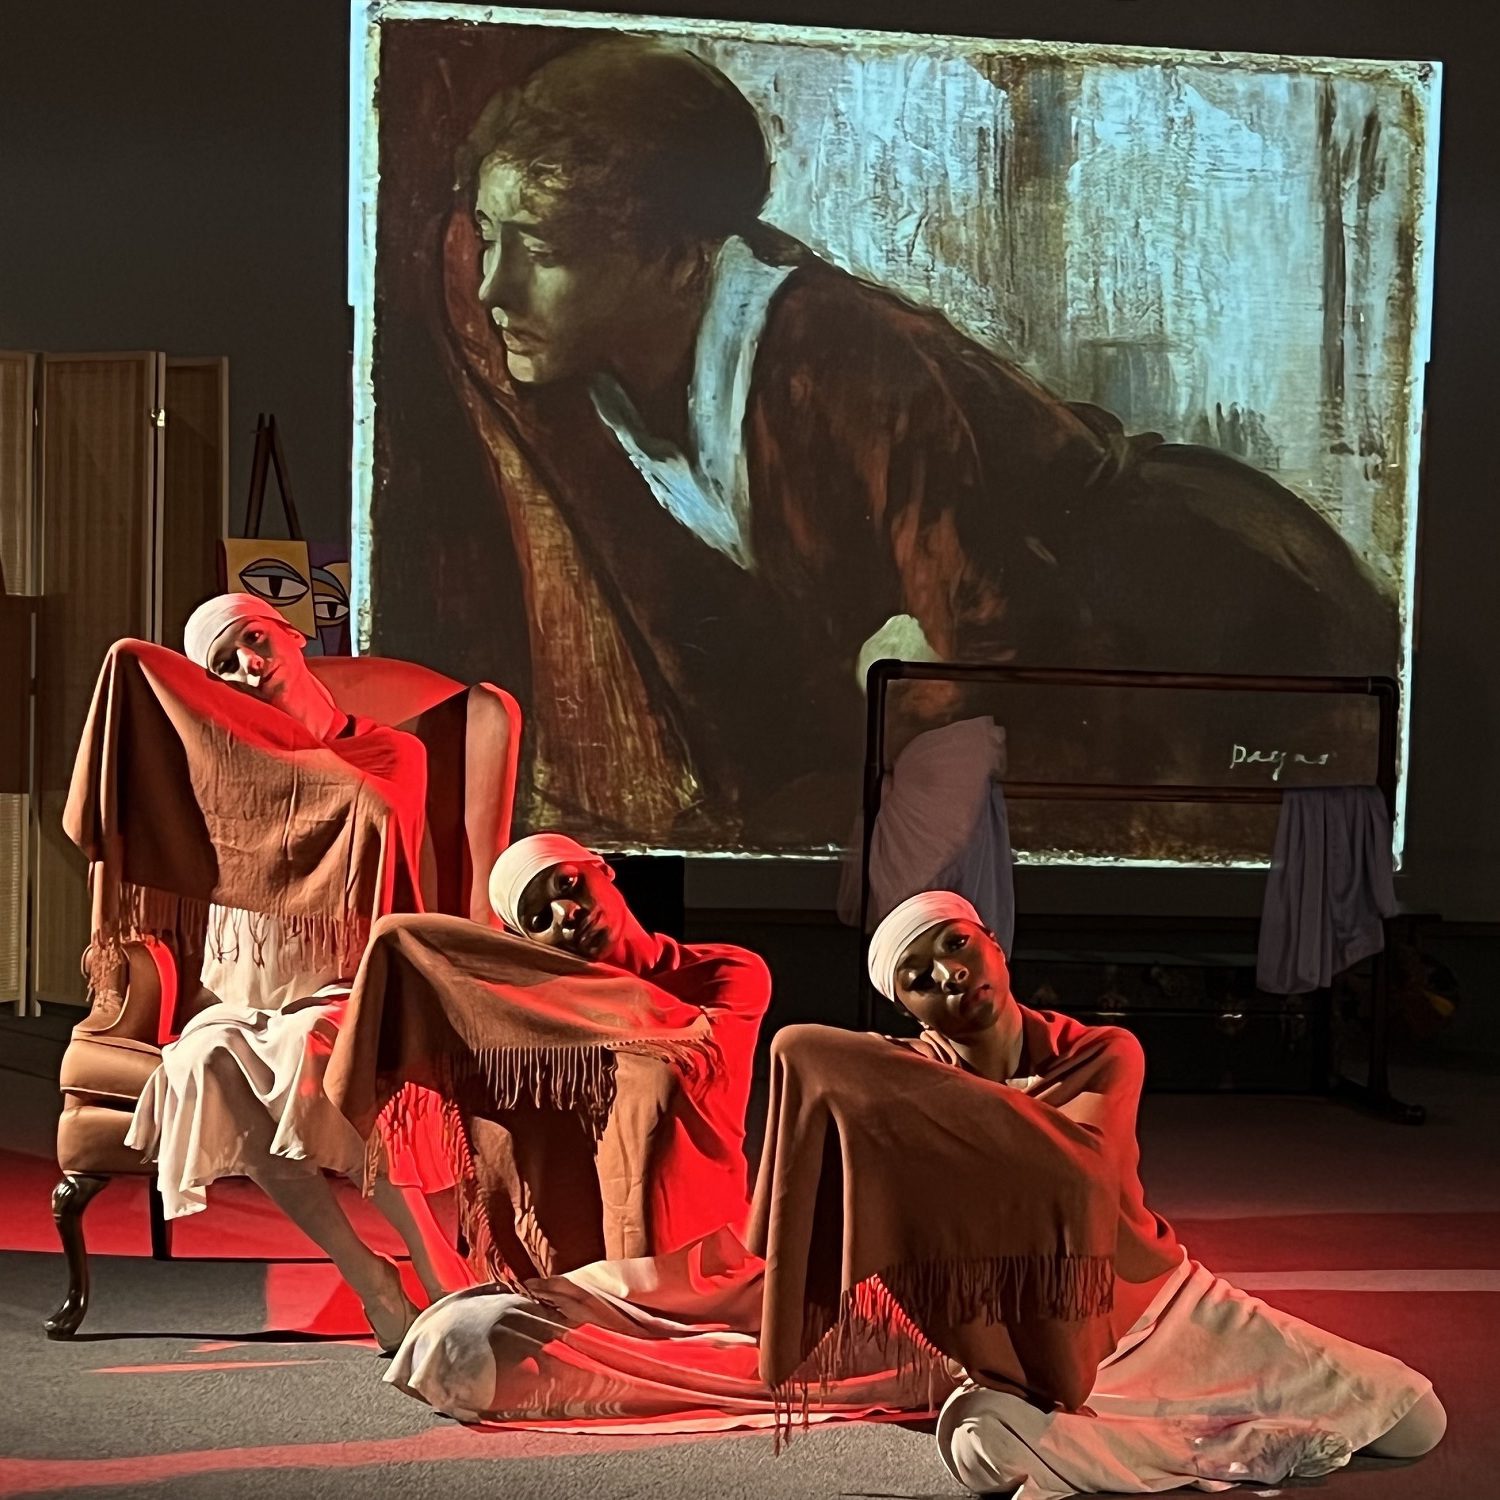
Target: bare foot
[[390, 1311]]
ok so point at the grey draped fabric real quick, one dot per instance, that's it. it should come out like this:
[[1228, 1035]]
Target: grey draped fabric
[[941, 826], [1331, 885]]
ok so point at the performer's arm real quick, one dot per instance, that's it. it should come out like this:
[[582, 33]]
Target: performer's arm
[[731, 984], [1109, 1105], [644, 1090]]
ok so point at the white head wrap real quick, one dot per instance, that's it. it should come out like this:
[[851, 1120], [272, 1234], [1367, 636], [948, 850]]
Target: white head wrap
[[214, 616], [904, 924], [522, 862]]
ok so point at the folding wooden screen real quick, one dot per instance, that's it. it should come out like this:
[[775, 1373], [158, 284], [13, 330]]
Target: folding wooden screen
[[129, 498], [17, 430], [97, 561]]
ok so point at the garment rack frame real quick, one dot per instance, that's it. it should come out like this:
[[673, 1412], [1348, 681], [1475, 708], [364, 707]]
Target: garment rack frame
[[1374, 1091]]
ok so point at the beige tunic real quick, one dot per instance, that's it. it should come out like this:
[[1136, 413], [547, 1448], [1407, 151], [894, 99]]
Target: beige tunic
[[240, 1092], [1210, 1387], [665, 1343]]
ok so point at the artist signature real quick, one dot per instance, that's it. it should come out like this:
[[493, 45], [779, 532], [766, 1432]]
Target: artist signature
[[1242, 755]]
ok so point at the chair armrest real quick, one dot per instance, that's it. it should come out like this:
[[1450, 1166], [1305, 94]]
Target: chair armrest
[[492, 755], [137, 1002]]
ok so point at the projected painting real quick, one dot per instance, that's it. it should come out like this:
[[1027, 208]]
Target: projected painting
[[701, 365]]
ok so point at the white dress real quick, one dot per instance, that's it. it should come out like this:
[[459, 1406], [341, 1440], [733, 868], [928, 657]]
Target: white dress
[[665, 1343], [1211, 1387], [242, 1087]]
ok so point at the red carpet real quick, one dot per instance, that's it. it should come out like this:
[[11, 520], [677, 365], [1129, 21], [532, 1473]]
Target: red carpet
[[1349, 1242], [240, 1221]]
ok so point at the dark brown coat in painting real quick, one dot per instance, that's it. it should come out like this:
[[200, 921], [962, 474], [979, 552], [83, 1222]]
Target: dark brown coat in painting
[[895, 467]]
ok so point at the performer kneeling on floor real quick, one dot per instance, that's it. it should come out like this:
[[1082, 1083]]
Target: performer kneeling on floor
[[1203, 1384], [595, 1076]]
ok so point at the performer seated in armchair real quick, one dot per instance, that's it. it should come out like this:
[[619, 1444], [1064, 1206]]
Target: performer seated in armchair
[[595, 1076], [260, 831], [975, 1194]]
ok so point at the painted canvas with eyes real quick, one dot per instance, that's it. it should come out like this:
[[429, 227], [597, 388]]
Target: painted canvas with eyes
[[277, 570], [329, 576], [1053, 354]]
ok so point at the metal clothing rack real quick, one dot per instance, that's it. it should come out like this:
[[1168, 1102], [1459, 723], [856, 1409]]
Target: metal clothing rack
[[1374, 1092]]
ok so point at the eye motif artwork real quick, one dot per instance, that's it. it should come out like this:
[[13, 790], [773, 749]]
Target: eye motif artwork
[[307, 582], [277, 571], [330, 590]]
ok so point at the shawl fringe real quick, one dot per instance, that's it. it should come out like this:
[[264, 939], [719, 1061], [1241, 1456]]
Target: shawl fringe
[[485, 1259], [886, 1309], [868, 1316], [396, 1128], [317, 942], [577, 1079], [1004, 1288]]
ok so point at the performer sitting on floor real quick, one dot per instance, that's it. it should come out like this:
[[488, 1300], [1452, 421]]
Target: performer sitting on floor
[[1204, 1384], [594, 1076], [239, 1093], [985, 1214]]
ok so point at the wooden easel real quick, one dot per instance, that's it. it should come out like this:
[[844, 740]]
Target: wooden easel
[[268, 454]]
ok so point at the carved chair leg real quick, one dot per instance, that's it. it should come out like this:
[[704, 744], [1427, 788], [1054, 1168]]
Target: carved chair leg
[[161, 1228], [69, 1199]]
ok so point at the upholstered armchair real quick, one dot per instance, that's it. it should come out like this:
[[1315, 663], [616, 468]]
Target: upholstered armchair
[[473, 740]]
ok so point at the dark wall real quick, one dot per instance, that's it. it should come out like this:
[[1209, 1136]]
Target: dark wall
[[172, 175]]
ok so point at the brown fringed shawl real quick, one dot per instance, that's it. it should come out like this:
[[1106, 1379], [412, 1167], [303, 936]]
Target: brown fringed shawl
[[519, 1043], [188, 792], [991, 1221]]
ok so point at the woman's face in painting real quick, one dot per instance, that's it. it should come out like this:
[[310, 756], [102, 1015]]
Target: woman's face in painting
[[954, 980], [566, 302]]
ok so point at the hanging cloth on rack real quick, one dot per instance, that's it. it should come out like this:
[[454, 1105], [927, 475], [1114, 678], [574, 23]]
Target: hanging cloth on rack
[[1330, 888], [941, 826]]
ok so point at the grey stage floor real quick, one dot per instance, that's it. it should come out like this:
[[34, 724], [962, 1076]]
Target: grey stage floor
[[115, 1414], [313, 1419]]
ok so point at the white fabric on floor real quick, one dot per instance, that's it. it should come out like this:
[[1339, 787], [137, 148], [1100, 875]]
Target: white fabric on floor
[[1330, 885], [663, 1343], [243, 1084], [1210, 1387]]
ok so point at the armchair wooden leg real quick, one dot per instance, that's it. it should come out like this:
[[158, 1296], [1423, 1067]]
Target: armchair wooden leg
[[69, 1199], [161, 1227]]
